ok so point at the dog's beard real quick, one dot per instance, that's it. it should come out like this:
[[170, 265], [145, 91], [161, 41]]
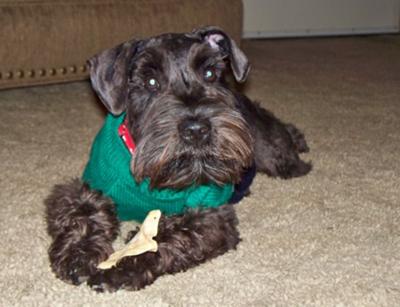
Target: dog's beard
[[168, 162]]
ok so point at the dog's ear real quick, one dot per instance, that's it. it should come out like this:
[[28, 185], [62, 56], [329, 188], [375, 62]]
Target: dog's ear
[[218, 39], [109, 75]]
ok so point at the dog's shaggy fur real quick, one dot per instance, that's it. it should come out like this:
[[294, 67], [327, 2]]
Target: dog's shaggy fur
[[189, 127]]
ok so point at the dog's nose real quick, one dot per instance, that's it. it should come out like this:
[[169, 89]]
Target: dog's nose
[[195, 132]]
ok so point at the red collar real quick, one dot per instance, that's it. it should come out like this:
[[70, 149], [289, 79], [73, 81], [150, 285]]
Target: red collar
[[123, 132]]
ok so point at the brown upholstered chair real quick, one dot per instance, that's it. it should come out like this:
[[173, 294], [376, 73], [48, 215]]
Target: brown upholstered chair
[[49, 41]]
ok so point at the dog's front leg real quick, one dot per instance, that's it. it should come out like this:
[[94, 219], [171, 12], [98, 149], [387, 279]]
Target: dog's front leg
[[83, 224], [183, 242]]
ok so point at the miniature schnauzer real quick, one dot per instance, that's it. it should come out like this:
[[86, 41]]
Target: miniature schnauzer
[[190, 127]]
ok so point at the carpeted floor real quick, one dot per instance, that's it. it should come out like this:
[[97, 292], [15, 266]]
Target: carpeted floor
[[331, 238]]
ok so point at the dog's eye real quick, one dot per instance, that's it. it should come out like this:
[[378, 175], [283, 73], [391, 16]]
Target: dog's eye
[[210, 74], [152, 84]]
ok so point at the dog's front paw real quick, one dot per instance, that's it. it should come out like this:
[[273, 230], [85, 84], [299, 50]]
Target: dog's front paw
[[75, 262], [71, 268]]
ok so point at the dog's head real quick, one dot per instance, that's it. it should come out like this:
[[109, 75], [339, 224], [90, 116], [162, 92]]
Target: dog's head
[[184, 119]]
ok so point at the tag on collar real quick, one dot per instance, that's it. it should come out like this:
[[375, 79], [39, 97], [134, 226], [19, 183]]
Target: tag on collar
[[123, 132]]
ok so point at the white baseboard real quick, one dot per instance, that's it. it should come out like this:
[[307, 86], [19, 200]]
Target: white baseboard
[[320, 32]]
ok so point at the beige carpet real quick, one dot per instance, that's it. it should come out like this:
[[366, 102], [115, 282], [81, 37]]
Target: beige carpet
[[329, 239]]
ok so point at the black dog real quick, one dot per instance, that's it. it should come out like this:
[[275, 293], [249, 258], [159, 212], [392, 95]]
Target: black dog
[[190, 129]]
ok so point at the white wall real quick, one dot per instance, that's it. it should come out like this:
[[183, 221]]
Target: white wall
[[280, 18]]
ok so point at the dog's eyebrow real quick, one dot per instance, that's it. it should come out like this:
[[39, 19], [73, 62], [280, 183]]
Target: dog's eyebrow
[[151, 59], [152, 66], [207, 58]]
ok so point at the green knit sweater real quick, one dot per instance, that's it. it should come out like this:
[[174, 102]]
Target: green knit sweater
[[108, 171]]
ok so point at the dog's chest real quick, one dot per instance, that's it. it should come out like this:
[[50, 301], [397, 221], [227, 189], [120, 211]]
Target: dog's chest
[[108, 171]]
